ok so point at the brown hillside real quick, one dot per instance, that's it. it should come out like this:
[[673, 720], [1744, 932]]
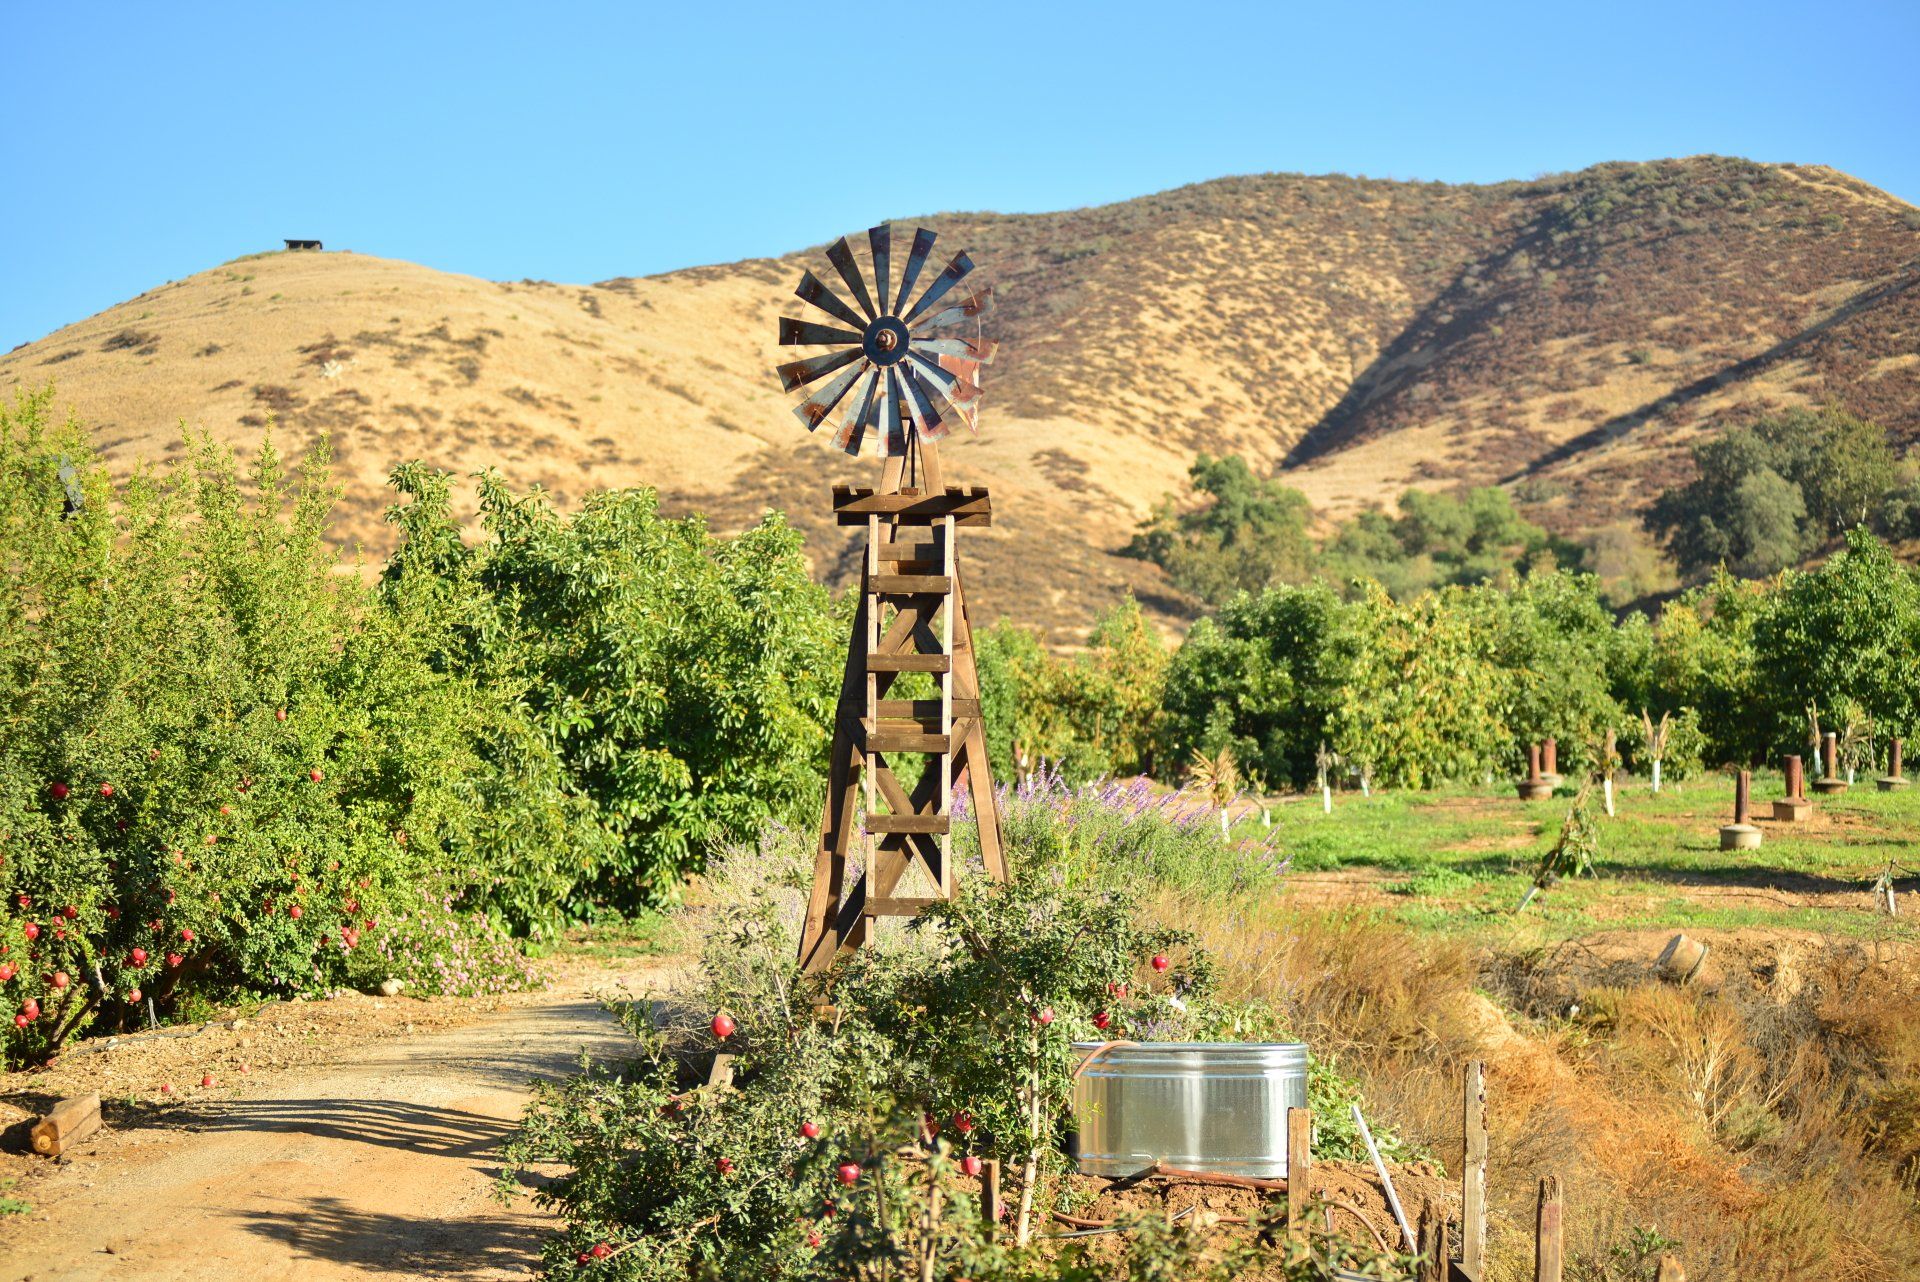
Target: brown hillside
[[1571, 333]]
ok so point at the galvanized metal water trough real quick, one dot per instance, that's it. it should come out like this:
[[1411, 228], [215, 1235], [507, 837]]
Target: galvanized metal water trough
[[1201, 1106]]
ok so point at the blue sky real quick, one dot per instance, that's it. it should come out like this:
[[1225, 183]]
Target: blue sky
[[573, 142]]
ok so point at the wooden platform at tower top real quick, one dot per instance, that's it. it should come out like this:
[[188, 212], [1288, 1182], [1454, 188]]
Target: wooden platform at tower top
[[912, 617]]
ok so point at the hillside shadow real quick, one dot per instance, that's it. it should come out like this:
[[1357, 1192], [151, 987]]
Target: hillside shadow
[[1740, 371], [328, 1229], [1467, 313]]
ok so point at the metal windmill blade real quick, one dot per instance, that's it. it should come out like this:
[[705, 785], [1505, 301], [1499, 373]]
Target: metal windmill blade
[[904, 363]]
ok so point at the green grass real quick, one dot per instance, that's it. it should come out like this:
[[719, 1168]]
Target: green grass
[[614, 939], [1461, 859]]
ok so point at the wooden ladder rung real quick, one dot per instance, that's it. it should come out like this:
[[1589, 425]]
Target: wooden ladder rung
[[909, 663], [909, 823], [911, 584], [888, 739], [925, 709], [901, 906]]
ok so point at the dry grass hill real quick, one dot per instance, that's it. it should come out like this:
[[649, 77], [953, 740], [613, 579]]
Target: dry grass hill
[[1567, 336]]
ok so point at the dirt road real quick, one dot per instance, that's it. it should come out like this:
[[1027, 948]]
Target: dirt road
[[376, 1161]]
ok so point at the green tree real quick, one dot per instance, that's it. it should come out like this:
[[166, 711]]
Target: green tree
[[1016, 678], [1260, 679], [1114, 693], [1250, 532], [685, 683], [1553, 638], [1766, 494], [1851, 473], [1420, 699], [1703, 658], [224, 768], [1439, 538], [1849, 631], [1764, 532], [1088, 715]]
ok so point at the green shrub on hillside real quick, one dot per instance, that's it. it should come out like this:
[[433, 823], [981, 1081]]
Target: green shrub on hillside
[[1250, 533], [1768, 493]]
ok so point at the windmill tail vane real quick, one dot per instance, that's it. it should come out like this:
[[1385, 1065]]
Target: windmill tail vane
[[903, 364]]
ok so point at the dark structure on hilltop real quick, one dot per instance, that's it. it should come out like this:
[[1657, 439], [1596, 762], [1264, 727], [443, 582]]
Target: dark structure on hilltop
[[303, 244]]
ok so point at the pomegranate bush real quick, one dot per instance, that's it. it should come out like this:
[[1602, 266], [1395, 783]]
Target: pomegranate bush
[[862, 1097], [225, 761]]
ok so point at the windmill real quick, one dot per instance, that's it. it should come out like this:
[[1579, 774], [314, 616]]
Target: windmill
[[902, 370]]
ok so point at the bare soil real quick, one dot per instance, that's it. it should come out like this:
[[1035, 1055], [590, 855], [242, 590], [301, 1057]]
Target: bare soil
[[342, 1137]]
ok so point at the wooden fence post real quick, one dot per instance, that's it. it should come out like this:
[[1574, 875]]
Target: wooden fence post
[[1549, 1244], [1299, 1168], [1473, 1174], [990, 1193], [1433, 1242]]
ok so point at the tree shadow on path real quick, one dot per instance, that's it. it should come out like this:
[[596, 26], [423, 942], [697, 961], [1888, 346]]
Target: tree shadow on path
[[328, 1229], [416, 1128]]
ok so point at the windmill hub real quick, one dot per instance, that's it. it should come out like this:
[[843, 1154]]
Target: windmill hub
[[887, 341]]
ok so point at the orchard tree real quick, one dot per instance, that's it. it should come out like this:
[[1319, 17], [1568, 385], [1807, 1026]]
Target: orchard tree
[[1260, 680], [684, 682], [1847, 632], [1420, 697], [223, 770]]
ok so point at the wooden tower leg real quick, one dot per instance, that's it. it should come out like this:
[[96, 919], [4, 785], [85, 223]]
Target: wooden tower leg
[[819, 940], [971, 760]]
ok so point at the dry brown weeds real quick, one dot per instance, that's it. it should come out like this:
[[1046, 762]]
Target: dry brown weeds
[[1768, 1118]]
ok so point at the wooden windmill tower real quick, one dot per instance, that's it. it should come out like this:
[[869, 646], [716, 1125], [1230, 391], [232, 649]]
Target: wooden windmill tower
[[905, 369]]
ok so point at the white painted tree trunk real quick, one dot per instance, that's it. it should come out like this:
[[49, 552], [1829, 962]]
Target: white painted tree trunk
[[1816, 764], [1223, 825], [1365, 790], [1266, 817], [1849, 776], [1656, 774], [1326, 798], [1607, 787]]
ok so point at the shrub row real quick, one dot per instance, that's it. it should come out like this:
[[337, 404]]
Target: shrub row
[[1452, 683]]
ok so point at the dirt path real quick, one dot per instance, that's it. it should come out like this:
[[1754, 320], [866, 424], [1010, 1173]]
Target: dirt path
[[377, 1160]]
